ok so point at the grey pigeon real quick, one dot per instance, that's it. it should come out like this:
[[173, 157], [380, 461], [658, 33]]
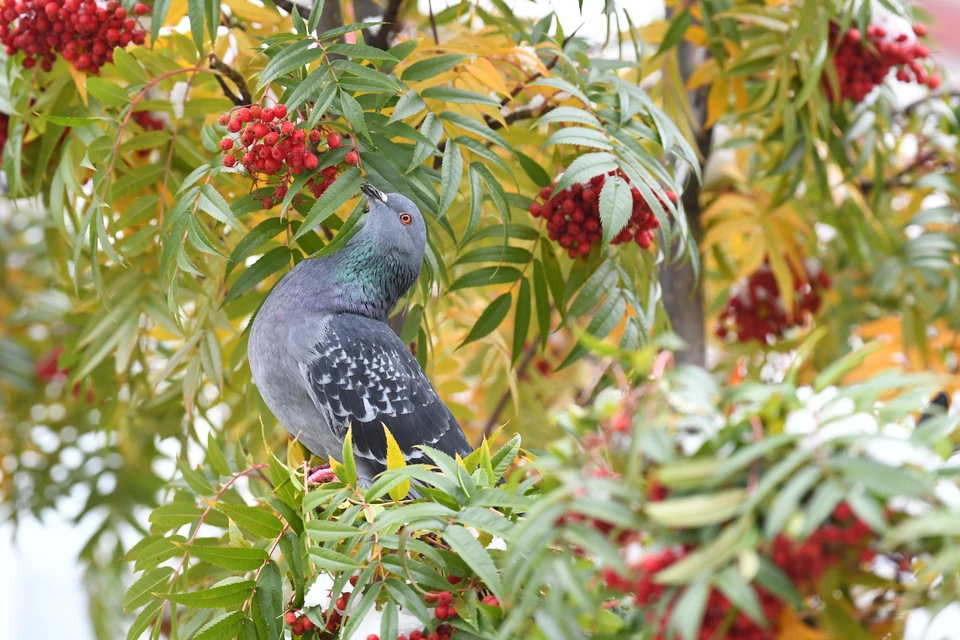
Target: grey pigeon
[[324, 358]]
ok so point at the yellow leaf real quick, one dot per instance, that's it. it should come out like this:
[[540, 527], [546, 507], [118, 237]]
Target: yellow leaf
[[483, 70], [717, 101], [704, 74], [79, 79], [791, 628], [395, 460], [697, 35]]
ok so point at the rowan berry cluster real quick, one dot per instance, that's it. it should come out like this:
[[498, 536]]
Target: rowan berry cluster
[[720, 620], [863, 63], [148, 121], [573, 216], [845, 538], [82, 31], [442, 601], [756, 310], [268, 145]]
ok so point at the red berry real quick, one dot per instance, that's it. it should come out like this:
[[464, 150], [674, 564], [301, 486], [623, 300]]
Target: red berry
[[244, 115], [620, 422], [223, 119], [536, 210], [920, 30], [353, 158], [333, 141], [315, 136], [441, 612], [297, 627], [291, 617], [267, 115], [445, 598], [373, 636], [267, 203], [307, 623], [281, 112], [140, 9], [226, 144], [452, 579], [310, 161], [234, 126], [229, 161]]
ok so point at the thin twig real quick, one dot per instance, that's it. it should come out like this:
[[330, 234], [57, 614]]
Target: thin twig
[[492, 422], [433, 22]]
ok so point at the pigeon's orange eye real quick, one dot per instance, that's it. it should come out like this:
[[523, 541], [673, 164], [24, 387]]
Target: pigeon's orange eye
[[406, 218]]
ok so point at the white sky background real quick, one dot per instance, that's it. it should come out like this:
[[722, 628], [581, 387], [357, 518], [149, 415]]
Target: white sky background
[[39, 574]]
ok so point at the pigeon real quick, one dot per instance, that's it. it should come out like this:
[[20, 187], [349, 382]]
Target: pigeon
[[324, 358]]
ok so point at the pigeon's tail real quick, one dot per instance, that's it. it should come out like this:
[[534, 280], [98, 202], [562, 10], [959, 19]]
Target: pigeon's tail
[[938, 406]]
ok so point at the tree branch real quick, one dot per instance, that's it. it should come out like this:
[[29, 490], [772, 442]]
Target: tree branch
[[390, 15], [237, 78]]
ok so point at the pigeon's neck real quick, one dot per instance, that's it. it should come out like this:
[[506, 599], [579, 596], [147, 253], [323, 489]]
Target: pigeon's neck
[[368, 281]]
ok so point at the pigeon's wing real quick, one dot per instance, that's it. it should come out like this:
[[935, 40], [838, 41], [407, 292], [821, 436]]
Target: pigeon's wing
[[360, 373]]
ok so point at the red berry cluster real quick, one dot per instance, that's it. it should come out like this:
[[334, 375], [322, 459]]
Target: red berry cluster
[[862, 65], [269, 144], [82, 31], [720, 619], [845, 538], [756, 310], [148, 121], [299, 623], [573, 217]]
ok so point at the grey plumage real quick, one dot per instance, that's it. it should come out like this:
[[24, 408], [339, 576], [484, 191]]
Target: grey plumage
[[324, 358]]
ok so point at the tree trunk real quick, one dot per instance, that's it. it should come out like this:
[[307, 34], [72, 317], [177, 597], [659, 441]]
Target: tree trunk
[[682, 290]]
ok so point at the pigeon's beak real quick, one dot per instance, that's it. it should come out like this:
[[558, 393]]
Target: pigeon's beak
[[372, 192]]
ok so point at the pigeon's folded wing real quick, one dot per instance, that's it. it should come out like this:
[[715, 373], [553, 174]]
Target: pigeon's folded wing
[[359, 372]]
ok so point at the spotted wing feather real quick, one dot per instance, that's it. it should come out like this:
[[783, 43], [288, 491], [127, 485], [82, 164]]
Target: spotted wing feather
[[361, 373]]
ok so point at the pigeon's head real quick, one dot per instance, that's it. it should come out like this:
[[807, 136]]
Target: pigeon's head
[[397, 223]]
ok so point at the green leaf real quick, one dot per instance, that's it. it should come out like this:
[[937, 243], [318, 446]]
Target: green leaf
[[787, 499], [289, 59], [215, 456], [222, 627], [330, 560], [372, 78], [160, 8], [211, 10], [311, 85], [505, 456], [257, 521], [349, 28], [450, 177], [601, 283], [580, 136], [175, 514], [720, 550], [330, 530], [408, 105], [568, 114], [460, 96], [270, 593], [227, 593], [128, 67], [268, 264], [521, 323], [486, 276], [404, 595], [697, 510], [514, 255], [146, 619], [353, 112], [475, 127], [487, 520], [214, 204], [543, 302], [349, 463], [533, 170], [431, 67], [195, 479], [687, 615], [616, 207], [141, 591], [475, 556], [344, 187], [741, 594], [490, 319], [195, 15], [584, 168], [107, 92], [675, 32], [232, 558], [361, 52]]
